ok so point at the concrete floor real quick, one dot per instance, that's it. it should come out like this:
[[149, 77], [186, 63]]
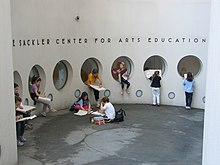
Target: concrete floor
[[164, 135]]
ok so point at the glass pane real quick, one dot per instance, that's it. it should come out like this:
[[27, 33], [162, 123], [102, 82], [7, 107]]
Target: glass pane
[[189, 64], [87, 68], [116, 64], [60, 75], [155, 62]]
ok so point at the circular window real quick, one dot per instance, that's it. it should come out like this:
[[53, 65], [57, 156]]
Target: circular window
[[50, 96], [26, 101], [189, 64], [139, 93], [107, 93], [17, 80], [171, 95], [88, 67], [37, 71], [121, 62], [77, 93], [203, 99], [60, 75], [154, 63]]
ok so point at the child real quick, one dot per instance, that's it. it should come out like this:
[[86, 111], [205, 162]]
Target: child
[[19, 125], [189, 85], [82, 103], [35, 93], [123, 77], [155, 85], [16, 92], [94, 79], [107, 108]]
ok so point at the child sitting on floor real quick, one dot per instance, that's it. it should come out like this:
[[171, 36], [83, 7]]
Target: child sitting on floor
[[108, 109], [81, 104]]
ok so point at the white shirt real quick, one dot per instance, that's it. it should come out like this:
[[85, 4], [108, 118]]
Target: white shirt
[[109, 110]]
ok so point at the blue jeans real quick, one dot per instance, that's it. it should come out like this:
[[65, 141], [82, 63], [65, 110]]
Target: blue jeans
[[188, 99], [20, 128]]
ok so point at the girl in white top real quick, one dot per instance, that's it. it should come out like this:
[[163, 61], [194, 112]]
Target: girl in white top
[[107, 108]]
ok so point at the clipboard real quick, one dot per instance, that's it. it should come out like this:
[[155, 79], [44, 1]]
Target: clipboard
[[81, 113], [97, 87], [44, 100], [27, 118], [25, 109]]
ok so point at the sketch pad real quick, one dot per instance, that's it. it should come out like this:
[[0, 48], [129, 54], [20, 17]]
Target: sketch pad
[[25, 109], [97, 88], [97, 113], [150, 72], [44, 100], [27, 118], [81, 113]]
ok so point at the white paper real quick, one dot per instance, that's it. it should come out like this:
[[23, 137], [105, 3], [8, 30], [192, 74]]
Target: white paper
[[97, 88], [27, 118], [150, 72], [97, 113], [25, 109], [44, 100], [81, 113]]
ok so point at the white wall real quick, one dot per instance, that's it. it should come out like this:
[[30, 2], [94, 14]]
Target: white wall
[[113, 19], [8, 149], [211, 142]]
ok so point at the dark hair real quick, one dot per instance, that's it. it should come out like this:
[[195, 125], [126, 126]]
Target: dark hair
[[16, 85], [34, 79], [156, 73], [95, 71], [83, 95], [189, 76], [17, 99], [105, 100]]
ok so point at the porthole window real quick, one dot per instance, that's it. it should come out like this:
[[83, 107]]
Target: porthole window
[[203, 99], [154, 63], [50, 96], [77, 93], [171, 95], [37, 71], [189, 63], [60, 75], [127, 64], [107, 93], [139, 93], [88, 66], [17, 80], [26, 101]]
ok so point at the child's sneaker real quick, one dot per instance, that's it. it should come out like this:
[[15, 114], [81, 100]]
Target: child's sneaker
[[22, 139], [44, 114], [19, 143], [53, 110]]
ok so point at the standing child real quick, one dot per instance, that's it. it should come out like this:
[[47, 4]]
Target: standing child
[[123, 77], [82, 103], [189, 85], [155, 85], [19, 125]]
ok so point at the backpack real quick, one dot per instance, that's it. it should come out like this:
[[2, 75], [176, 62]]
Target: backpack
[[119, 115], [73, 108]]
